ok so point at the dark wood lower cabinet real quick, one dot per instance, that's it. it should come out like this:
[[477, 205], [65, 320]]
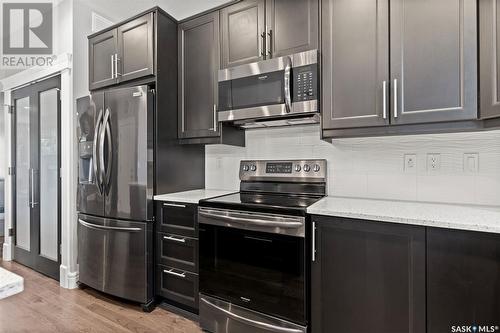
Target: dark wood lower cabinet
[[463, 280], [368, 277]]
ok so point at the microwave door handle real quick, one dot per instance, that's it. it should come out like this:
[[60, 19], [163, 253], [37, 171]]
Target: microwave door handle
[[287, 84], [251, 322]]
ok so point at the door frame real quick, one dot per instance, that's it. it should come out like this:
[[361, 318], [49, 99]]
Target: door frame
[[62, 65], [32, 258]]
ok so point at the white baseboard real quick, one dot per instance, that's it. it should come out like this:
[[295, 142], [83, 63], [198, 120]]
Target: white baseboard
[[67, 279], [7, 252]]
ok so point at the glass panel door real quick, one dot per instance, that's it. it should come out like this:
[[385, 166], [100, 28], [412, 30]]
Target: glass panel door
[[49, 173], [23, 167]]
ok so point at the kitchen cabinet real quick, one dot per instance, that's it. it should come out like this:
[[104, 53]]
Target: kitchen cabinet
[[413, 64], [367, 277], [122, 53], [254, 30], [177, 254], [489, 62], [198, 81], [463, 280]]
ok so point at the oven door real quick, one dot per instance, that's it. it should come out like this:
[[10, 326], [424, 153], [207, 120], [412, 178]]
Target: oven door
[[258, 270]]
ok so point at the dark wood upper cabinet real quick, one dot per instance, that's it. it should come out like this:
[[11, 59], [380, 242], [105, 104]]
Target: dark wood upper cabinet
[[463, 279], [136, 48], [489, 51], [198, 67], [102, 49], [292, 26], [355, 61], [367, 277], [433, 61], [243, 33], [123, 53]]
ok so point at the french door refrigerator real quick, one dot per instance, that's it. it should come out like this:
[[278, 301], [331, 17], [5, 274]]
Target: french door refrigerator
[[115, 192]]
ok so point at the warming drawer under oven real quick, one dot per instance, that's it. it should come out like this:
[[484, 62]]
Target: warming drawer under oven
[[252, 271]]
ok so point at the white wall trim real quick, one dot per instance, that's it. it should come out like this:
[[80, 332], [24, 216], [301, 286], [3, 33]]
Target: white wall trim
[[35, 73], [63, 67]]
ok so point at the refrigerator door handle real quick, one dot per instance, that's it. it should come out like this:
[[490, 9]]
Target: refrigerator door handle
[[102, 135], [107, 130], [96, 166]]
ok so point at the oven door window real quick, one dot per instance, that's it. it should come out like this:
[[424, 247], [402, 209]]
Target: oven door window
[[253, 91], [260, 271]]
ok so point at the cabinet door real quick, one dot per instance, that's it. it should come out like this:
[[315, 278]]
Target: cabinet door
[[463, 280], [368, 277], [433, 60], [198, 66], [136, 49], [489, 50], [355, 48], [102, 49], [292, 26], [243, 33]]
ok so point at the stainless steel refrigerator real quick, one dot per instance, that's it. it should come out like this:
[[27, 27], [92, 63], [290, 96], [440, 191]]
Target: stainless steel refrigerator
[[115, 192]]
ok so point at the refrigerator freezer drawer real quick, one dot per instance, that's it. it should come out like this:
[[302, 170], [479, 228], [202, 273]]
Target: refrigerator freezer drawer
[[115, 257]]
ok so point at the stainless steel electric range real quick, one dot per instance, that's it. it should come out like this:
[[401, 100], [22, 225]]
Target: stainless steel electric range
[[254, 249]]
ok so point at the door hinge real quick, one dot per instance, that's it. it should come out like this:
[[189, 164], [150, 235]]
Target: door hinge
[[11, 109], [11, 232], [11, 171]]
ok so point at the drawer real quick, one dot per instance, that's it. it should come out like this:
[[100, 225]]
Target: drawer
[[179, 252], [177, 285], [178, 218]]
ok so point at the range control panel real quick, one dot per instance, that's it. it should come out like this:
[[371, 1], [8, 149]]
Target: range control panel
[[289, 170], [305, 83]]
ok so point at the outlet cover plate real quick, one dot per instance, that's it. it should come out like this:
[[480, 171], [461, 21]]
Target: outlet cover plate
[[433, 162], [471, 162], [410, 161]]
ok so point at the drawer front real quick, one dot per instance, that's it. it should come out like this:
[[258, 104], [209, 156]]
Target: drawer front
[[178, 218], [177, 285], [179, 252]]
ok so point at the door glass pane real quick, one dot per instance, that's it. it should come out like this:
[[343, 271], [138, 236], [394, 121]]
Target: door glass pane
[[49, 190], [22, 172]]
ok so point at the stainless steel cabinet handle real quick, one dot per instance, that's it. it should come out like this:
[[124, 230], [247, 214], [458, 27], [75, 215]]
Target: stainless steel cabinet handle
[[30, 189], [34, 182], [263, 45], [97, 172], [112, 66], [171, 272], [175, 239], [395, 98], [215, 119], [313, 241], [270, 43], [116, 66], [384, 99], [103, 227], [254, 323], [287, 84], [174, 205]]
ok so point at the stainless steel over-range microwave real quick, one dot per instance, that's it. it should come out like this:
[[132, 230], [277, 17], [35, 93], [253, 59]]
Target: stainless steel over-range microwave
[[275, 88]]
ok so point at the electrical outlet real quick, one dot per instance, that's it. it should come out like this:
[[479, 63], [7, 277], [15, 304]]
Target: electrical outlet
[[218, 163], [471, 162], [410, 163], [433, 162]]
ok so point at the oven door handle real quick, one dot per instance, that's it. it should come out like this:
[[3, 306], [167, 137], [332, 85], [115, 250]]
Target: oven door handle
[[287, 85], [237, 217], [254, 323]]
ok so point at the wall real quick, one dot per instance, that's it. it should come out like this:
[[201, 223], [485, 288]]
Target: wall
[[374, 167]]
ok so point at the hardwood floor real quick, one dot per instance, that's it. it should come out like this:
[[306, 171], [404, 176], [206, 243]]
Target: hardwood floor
[[45, 307]]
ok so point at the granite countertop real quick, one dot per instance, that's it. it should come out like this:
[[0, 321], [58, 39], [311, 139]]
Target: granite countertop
[[10, 283], [193, 196], [451, 216]]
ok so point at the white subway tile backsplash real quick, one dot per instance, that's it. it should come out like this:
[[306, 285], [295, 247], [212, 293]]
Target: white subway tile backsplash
[[374, 167]]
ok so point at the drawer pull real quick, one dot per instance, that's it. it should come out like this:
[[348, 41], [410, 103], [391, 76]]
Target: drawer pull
[[171, 272], [175, 239], [174, 205]]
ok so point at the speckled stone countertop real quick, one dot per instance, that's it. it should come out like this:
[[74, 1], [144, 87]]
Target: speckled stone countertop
[[10, 283], [193, 196], [451, 216]]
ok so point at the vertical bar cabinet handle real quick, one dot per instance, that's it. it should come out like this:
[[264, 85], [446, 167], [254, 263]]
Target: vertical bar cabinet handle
[[313, 241], [384, 99], [112, 66], [263, 45], [395, 98]]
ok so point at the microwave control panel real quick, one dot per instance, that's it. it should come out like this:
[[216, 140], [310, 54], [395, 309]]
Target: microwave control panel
[[305, 83]]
